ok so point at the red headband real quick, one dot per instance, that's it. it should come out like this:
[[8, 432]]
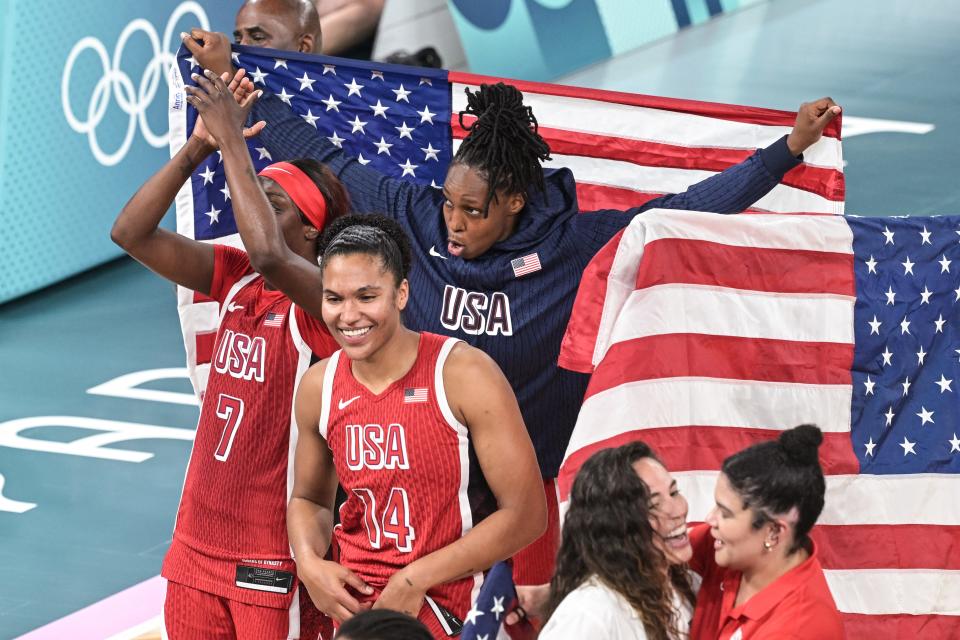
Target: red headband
[[301, 189]]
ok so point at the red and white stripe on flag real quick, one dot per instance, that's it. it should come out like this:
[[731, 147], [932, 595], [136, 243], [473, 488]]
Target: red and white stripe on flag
[[625, 149], [716, 332]]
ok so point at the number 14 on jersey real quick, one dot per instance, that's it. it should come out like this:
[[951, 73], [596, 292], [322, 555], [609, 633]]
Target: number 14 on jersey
[[393, 523]]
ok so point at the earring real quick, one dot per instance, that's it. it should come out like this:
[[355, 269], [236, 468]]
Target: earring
[[767, 546]]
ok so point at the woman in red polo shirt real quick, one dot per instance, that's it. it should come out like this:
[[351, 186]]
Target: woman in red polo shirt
[[761, 575]]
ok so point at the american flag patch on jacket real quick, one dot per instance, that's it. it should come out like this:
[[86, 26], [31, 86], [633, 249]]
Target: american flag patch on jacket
[[273, 320], [526, 264], [415, 394]]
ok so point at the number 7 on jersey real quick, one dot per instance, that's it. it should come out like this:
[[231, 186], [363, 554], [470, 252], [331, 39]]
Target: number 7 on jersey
[[229, 409]]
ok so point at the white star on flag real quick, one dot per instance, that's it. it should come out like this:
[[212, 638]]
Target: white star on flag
[[869, 384], [362, 160], [871, 265], [904, 326], [306, 82], [426, 115], [874, 325], [226, 192], [376, 75], [207, 176], [383, 146], [353, 88], [908, 446], [426, 81], [279, 62], [379, 110], [358, 125], [908, 266], [408, 168], [938, 324], [888, 235], [336, 140], [889, 416], [887, 356], [402, 94], [404, 130], [430, 152], [497, 607], [472, 615], [954, 444], [925, 295], [264, 153], [329, 68], [921, 355], [213, 214], [870, 445], [925, 237], [944, 264], [925, 416], [283, 95], [944, 384], [332, 103], [890, 295], [310, 118], [258, 76]]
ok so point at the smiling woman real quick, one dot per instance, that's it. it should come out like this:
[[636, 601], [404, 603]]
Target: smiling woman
[[621, 570], [424, 435]]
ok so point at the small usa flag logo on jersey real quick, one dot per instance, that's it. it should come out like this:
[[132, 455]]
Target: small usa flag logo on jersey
[[526, 264], [273, 320], [415, 394]]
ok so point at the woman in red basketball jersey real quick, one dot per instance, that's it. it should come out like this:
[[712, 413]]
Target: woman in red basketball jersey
[[229, 569], [423, 433]]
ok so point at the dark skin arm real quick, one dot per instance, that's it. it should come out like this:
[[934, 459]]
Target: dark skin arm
[[481, 398], [210, 49], [269, 253], [136, 230]]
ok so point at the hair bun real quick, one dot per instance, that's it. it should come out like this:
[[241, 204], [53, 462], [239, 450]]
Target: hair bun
[[800, 444]]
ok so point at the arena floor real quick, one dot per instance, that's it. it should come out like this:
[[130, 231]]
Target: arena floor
[[83, 537]]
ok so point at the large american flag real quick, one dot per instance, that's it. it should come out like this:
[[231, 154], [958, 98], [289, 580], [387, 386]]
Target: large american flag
[[708, 333], [624, 149]]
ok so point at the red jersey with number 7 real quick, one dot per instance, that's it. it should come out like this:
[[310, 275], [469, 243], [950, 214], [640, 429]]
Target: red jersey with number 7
[[233, 507], [404, 461]]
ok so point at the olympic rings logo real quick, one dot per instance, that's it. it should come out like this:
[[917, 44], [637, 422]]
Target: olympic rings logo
[[133, 101]]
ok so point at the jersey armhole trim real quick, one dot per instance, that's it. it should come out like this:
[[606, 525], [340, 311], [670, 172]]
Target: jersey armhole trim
[[234, 290], [441, 392], [326, 396]]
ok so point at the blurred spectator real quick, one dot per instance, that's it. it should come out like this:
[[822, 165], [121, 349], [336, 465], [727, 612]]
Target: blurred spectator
[[349, 26], [291, 25]]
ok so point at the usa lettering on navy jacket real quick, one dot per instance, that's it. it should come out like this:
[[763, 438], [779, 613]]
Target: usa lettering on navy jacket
[[518, 321]]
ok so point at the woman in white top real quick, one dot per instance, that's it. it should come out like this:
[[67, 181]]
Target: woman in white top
[[621, 569]]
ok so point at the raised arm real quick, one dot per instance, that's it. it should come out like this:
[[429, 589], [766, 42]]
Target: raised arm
[[310, 512], [136, 230], [481, 398], [254, 212], [738, 187]]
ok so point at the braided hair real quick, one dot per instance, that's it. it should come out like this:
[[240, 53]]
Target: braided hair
[[503, 142]]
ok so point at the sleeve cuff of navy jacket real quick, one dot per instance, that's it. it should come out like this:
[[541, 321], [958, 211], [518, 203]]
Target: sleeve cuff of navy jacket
[[778, 159]]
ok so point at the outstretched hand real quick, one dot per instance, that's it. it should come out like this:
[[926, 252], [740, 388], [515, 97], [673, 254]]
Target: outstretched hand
[[812, 119], [223, 108]]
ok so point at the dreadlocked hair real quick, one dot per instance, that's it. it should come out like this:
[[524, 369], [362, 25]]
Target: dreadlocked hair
[[503, 142], [607, 535]]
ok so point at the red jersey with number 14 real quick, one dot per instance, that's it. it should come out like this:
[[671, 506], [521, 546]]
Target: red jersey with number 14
[[233, 507], [403, 460]]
